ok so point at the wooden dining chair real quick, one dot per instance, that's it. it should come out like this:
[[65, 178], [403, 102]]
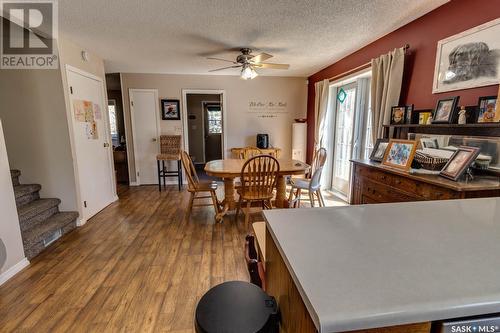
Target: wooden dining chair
[[258, 180], [312, 184], [195, 186]]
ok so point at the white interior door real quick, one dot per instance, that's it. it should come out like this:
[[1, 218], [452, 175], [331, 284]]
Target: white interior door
[[145, 128], [91, 142]]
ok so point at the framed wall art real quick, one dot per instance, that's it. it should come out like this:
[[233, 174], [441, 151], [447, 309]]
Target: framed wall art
[[170, 109], [469, 59]]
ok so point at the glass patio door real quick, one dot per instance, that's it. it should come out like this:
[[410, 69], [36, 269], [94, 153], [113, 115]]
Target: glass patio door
[[344, 137]]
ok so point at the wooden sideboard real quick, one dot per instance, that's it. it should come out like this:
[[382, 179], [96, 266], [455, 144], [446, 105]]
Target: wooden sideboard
[[375, 183], [275, 152]]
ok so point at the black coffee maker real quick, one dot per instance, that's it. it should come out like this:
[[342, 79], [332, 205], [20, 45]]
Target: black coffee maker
[[262, 141]]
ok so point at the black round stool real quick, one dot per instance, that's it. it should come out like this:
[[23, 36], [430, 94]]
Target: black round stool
[[236, 306]]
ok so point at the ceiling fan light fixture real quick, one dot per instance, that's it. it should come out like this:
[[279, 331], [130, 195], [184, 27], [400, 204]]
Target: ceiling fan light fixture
[[248, 73]]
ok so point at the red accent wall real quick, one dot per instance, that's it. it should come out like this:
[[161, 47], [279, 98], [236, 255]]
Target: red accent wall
[[422, 35]]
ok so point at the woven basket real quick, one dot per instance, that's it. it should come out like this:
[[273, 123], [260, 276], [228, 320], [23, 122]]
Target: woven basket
[[430, 162]]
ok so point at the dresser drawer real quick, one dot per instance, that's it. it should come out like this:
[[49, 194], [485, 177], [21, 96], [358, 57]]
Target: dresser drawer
[[376, 175], [383, 193]]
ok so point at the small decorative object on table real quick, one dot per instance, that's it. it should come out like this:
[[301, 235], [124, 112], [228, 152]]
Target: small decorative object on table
[[399, 154], [378, 151], [488, 110], [459, 162], [430, 162], [462, 116], [445, 111], [398, 115], [170, 109]]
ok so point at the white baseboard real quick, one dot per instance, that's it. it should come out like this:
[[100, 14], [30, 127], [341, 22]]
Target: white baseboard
[[13, 270], [80, 222], [132, 183]]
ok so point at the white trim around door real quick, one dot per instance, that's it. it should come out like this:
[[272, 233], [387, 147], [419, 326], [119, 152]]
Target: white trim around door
[[184, 115]]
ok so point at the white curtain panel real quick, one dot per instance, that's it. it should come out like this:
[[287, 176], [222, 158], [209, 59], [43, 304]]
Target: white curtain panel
[[387, 77], [320, 110]]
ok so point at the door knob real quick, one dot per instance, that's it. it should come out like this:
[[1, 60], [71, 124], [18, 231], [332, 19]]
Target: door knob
[[106, 145], [154, 139]]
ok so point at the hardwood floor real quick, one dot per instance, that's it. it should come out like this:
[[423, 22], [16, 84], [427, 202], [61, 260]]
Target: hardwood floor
[[138, 266]]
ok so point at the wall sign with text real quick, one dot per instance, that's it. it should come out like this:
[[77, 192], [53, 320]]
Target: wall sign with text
[[267, 109]]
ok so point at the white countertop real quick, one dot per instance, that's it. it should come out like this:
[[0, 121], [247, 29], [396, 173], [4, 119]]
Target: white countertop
[[370, 266]]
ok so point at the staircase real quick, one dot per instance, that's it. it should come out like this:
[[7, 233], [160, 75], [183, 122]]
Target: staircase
[[40, 219]]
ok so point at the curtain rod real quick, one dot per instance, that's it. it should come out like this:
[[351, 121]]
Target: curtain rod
[[360, 67]]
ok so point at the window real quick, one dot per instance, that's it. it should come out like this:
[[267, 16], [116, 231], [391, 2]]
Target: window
[[214, 119]]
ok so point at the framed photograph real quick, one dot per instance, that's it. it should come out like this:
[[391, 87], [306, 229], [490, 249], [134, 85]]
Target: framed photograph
[[488, 110], [469, 59], [399, 154], [420, 116], [429, 143], [170, 109], [459, 162], [398, 115], [378, 151], [445, 111], [409, 113]]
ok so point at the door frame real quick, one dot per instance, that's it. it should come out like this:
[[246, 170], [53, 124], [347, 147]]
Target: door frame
[[203, 106], [70, 111], [132, 122], [185, 134]]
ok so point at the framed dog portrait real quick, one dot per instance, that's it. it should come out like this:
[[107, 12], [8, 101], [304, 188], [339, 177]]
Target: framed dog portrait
[[469, 59]]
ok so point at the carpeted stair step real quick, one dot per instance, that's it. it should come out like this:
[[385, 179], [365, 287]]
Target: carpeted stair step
[[36, 212], [14, 174], [26, 193], [38, 237]]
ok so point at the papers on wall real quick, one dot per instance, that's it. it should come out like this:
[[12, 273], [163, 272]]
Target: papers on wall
[[87, 113]]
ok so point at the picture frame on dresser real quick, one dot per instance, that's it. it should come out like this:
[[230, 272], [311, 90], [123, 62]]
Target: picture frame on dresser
[[446, 110], [488, 110], [459, 162], [400, 153], [379, 149]]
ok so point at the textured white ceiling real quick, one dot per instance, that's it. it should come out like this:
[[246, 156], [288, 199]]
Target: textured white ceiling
[[175, 36]]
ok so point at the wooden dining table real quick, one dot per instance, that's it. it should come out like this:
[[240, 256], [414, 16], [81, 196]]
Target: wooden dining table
[[229, 169]]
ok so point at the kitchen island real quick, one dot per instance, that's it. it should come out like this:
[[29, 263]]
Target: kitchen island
[[396, 266]]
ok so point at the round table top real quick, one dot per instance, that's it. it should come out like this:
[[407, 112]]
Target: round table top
[[230, 168]]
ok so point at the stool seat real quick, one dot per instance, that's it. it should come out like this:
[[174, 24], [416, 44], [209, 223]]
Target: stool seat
[[168, 157], [236, 306]]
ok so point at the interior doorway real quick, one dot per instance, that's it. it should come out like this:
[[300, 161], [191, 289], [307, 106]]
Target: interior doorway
[[117, 130], [204, 119]]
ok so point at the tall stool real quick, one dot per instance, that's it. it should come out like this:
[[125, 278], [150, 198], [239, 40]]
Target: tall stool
[[236, 306], [170, 150]]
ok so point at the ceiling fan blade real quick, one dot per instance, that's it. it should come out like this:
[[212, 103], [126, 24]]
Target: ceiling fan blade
[[272, 66], [261, 57], [220, 59], [220, 69]]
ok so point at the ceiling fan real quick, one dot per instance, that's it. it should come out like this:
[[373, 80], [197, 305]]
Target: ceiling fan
[[249, 62]]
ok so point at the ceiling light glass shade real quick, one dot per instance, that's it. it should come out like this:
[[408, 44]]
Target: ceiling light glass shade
[[248, 73]]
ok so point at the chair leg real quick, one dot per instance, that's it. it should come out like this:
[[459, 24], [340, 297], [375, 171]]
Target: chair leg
[[179, 174], [311, 198], [238, 208], [290, 196], [247, 214], [214, 200], [191, 199], [299, 195], [320, 198], [164, 177], [159, 175]]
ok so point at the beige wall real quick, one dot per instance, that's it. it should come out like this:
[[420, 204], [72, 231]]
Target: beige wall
[[196, 126], [11, 245], [242, 126], [33, 111]]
